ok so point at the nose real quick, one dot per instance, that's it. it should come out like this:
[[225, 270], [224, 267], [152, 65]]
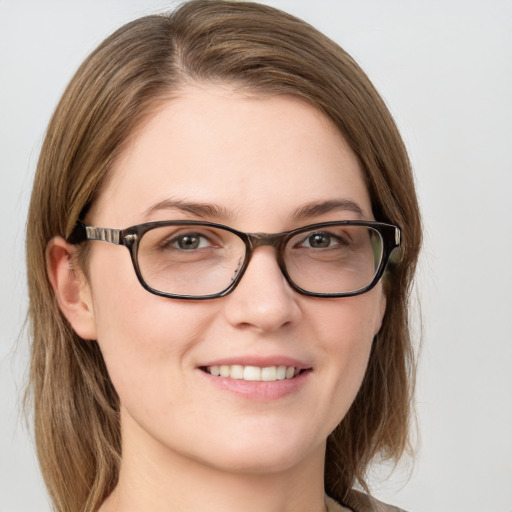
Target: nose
[[263, 300]]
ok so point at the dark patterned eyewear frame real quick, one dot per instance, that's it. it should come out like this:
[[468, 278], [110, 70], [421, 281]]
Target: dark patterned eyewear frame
[[197, 260]]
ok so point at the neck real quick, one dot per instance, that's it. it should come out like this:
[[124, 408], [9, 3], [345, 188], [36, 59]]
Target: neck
[[162, 480]]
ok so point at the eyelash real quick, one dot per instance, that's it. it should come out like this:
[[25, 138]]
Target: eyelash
[[332, 237], [174, 240]]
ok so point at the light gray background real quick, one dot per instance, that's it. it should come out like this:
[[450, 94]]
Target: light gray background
[[444, 68]]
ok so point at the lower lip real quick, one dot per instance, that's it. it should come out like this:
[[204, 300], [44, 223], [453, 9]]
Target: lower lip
[[260, 391]]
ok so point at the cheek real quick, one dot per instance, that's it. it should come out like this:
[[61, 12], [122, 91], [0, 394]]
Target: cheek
[[345, 329], [148, 352], [145, 339], [349, 324]]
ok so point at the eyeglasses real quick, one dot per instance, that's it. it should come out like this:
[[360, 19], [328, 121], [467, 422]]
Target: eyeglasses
[[202, 260]]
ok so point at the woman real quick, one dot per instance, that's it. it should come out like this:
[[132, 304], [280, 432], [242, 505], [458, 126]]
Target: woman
[[248, 348]]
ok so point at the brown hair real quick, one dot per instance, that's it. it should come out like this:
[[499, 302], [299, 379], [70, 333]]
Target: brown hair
[[263, 50]]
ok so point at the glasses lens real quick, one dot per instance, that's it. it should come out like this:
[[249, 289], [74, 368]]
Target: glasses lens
[[190, 259], [334, 259]]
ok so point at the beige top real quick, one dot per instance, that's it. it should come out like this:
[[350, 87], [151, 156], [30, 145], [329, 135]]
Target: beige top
[[359, 502], [333, 506]]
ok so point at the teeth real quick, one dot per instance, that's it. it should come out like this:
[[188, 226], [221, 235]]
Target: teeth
[[254, 373], [290, 372], [237, 371], [269, 374]]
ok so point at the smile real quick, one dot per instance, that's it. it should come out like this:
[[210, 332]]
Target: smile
[[253, 373]]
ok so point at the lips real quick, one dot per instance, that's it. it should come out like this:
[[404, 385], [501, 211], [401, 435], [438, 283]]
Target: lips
[[257, 378], [253, 373]]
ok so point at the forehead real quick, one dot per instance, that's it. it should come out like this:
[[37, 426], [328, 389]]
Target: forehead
[[251, 155]]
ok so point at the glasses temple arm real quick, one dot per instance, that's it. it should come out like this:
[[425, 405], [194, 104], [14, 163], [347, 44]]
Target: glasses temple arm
[[81, 233]]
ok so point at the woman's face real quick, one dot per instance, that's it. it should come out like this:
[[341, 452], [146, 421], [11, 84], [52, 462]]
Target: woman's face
[[253, 163]]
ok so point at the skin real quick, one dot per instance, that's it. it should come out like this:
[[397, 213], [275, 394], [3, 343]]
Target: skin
[[258, 159]]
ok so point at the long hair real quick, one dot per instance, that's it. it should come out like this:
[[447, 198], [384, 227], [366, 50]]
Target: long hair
[[264, 51]]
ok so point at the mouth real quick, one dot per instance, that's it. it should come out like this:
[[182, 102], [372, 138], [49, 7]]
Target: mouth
[[254, 373]]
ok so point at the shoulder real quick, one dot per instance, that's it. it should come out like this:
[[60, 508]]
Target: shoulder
[[356, 501]]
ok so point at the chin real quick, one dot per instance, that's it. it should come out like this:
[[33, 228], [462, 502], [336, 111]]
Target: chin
[[262, 457]]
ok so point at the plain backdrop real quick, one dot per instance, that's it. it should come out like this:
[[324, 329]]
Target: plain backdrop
[[445, 70]]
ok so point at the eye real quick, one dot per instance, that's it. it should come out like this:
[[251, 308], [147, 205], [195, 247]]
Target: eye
[[189, 242], [321, 240]]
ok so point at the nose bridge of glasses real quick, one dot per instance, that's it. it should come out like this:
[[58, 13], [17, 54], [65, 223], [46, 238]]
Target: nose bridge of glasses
[[260, 239], [273, 240]]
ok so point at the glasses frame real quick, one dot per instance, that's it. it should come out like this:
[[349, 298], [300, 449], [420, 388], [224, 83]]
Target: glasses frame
[[131, 236]]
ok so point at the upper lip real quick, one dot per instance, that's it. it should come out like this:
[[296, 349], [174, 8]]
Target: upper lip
[[262, 362]]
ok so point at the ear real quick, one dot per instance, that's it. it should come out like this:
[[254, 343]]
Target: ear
[[71, 287]]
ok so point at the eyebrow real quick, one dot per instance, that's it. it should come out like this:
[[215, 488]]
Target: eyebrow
[[208, 210], [321, 207], [198, 209]]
